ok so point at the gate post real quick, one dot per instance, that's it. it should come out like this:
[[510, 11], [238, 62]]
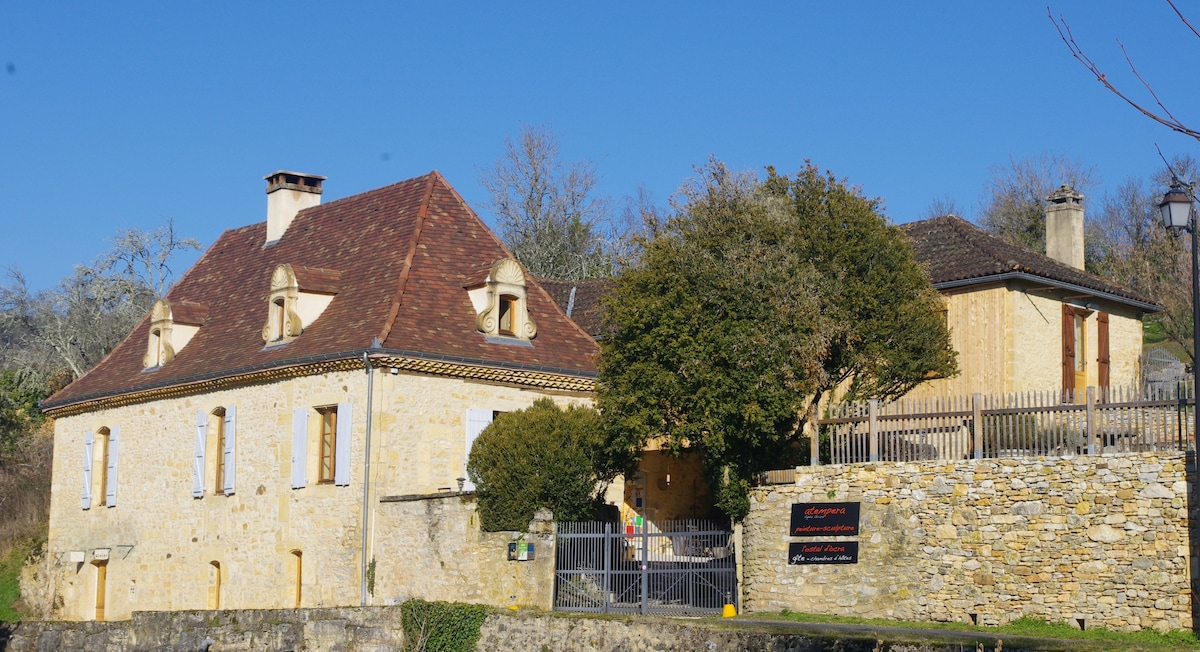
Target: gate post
[[1092, 433], [872, 428], [977, 424], [607, 552], [645, 566]]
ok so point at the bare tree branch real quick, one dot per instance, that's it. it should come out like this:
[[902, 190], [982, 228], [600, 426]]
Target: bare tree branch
[[1167, 119]]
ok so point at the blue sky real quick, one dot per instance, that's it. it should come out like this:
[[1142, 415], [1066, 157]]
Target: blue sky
[[118, 115]]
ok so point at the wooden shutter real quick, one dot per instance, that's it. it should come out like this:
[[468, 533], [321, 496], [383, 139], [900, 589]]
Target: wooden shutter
[[1068, 349], [230, 457], [89, 441], [341, 443], [1102, 352], [114, 449], [299, 447], [477, 420], [198, 455]]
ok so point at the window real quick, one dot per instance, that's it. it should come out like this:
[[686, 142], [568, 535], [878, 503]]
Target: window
[[327, 444], [507, 307], [324, 443], [214, 585], [100, 467], [219, 462], [278, 319], [215, 452], [102, 451], [172, 326], [499, 300], [476, 421], [297, 574], [101, 575], [155, 353], [298, 297]]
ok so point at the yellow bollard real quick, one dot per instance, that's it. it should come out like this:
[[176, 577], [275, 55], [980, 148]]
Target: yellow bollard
[[728, 611]]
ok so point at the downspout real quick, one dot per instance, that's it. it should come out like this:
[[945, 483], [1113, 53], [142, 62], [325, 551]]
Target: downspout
[[366, 481]]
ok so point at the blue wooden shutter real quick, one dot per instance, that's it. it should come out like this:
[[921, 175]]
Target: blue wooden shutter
[[89, 441], [114, 444], [230, 447], [299, 447], [477, 420], [341, 453], [198, 455]]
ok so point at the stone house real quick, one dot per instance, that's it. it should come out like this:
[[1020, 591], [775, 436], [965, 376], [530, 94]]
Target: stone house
[[237, 449], [1023, 321]]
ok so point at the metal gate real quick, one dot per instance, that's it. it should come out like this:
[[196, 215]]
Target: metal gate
[[683, 568]]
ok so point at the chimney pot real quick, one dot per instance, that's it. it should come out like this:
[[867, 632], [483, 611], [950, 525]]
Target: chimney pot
[[1064, 226], [288, 193]]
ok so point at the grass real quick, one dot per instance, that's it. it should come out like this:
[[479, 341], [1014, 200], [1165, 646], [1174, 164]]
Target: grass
[[1153, 335], [10, 590], [1092, 639]]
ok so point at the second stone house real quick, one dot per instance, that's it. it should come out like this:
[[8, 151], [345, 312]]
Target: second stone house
[[1024, 321]]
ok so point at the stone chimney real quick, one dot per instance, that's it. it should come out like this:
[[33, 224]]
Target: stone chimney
[[1064, 226], [289, 193]]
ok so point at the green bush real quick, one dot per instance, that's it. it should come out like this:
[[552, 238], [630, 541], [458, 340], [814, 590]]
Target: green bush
[[543, 456], [441, 626]]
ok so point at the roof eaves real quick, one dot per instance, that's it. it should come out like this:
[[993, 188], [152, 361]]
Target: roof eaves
[[1073, 287], [50, 406]]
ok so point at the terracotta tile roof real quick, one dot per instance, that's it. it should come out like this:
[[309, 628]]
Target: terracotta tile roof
[[398, 258], [188, 312], [584, 307], [313, 279], [959, 253]]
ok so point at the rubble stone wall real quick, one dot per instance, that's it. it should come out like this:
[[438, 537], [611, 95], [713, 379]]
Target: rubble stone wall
[[1094, 541]]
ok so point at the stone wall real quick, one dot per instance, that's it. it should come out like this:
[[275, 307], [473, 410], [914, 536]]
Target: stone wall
[[1098, 541], [378, 629], [431, 547]]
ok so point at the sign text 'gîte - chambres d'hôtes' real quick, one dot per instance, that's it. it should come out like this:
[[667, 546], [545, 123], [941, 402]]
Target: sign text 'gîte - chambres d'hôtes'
[[823, 552]]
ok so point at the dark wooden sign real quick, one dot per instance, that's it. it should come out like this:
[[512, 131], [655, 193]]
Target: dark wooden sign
[[824, 519], [823, 552]]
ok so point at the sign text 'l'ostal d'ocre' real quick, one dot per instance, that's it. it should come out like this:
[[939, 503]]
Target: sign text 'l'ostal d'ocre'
[[824, 519], [823, 552]]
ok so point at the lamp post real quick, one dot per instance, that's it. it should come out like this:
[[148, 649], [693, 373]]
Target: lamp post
[[1177, 213]]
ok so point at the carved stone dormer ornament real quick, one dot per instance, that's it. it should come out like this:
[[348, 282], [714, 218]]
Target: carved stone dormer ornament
[[282, 321], [172, 326], [298, 296], [505, 312]]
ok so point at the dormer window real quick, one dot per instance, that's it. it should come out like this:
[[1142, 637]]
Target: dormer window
[[172, 326], [507, 306], [298, 296], [278, 319], [500, 303]]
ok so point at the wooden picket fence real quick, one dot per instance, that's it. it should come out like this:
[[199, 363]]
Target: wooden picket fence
[[1020, 424]]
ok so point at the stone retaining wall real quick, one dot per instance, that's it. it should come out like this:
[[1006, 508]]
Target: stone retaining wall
[[377, 629], [1094, 541]]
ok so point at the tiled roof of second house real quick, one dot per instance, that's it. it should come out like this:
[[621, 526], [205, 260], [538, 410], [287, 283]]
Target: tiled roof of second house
[[959, 253]]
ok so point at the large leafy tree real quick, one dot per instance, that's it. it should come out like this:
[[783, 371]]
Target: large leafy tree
[[542, 456], [757, 299]]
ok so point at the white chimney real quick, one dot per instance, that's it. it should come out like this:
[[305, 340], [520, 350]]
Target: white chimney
[[289, 193], [1064, 226]]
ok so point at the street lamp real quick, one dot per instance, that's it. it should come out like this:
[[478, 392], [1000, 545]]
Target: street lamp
[[1177, 213]]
